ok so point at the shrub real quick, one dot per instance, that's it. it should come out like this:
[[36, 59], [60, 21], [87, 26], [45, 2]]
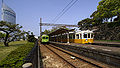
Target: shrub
[[31, 38], [15, 58]]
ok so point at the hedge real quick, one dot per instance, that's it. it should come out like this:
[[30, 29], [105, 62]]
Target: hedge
[[15, 58]]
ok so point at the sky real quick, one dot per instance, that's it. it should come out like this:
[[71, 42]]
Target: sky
[[29, 12]]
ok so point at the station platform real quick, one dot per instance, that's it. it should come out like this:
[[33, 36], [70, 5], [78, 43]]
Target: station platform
[[102, 49], [106, 42]]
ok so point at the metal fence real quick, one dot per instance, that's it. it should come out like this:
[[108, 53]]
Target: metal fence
[[33, 56]]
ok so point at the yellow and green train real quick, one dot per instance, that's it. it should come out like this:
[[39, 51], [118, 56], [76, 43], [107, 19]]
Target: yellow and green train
[[45, 38], [74, 37]]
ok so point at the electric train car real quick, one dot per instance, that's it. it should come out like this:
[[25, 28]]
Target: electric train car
[[82, 37], [45, 39], [74, 37]]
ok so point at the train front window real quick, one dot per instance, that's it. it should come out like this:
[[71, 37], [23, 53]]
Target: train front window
[[46, 37], [85, 35], [43, 37]]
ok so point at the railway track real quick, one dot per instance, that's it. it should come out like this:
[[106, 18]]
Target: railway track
[[73, 60], [103, 57]]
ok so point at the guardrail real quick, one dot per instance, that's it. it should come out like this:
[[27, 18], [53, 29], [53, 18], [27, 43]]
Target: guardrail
[[32, 60]]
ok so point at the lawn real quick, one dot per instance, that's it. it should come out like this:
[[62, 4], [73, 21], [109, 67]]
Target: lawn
[[4, 51]]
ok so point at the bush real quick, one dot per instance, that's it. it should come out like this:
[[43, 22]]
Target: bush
[[15, 58], [31, 38]]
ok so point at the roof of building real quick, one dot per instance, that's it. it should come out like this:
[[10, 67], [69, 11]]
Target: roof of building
[[60, 31]]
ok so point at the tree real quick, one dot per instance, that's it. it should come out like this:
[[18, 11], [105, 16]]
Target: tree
[[12, 31], [31, 37], [46, 32], [106, 10], [2, 36], [85, 24]]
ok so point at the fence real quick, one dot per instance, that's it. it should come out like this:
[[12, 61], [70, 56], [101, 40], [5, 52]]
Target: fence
[[33, 57]]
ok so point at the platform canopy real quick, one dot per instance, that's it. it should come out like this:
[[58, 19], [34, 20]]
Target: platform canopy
[[60, 31]]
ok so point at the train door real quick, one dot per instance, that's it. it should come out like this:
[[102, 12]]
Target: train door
[[77, 38], [91, 38], [71, 37], [85, 38]]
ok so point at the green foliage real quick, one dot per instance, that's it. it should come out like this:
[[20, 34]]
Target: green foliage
[[87, 20], [86, 23], [15, 58], [12, 31], [106, 10], [2, 35], [113, 24], [31, 38], [46, 32]]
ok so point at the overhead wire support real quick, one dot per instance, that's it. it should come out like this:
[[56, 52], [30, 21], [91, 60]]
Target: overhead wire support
[[49, 24]]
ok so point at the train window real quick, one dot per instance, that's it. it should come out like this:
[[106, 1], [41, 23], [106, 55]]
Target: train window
[[43, 37], [70, 36], [64, 37], [85, 35], [88, 35], [77, 36], [46, 37]]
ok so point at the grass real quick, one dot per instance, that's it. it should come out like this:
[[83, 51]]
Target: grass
[[4, 51], [16, 57]]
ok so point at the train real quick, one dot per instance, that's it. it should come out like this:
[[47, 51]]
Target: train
[[44, 39], [83, 37]]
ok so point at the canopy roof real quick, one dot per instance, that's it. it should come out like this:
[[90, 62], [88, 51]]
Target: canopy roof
[[60, 31]]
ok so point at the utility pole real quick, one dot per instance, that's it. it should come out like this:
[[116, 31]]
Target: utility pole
[[40, 28]]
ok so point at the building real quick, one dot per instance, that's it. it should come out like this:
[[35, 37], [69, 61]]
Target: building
[[8, 14]]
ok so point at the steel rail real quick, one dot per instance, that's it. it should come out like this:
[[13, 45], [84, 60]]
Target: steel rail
[[61, 57], [109, 58], [78, 57]]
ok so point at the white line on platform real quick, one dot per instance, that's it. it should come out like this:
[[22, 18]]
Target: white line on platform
[[93, 48], [106, 50]]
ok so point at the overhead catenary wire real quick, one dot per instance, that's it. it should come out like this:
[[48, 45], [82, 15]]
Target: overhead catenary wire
[[65, 10]]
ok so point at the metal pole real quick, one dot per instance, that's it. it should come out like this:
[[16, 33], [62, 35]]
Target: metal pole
[[68, 41], [40, 27]]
